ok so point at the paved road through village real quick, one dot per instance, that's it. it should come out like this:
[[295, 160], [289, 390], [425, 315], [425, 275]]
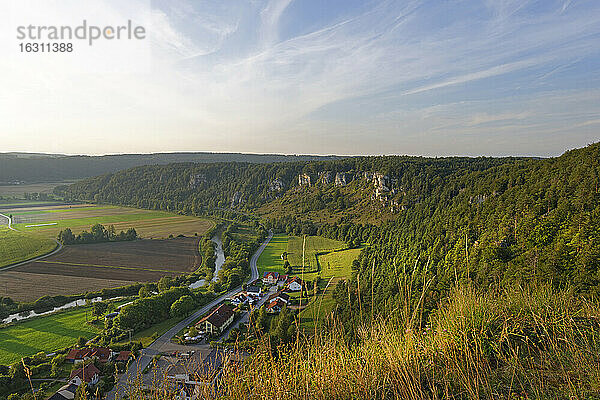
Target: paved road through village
[[148, 353]]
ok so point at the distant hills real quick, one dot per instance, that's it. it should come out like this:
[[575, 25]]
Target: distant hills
[[40, 167], [491, 222]]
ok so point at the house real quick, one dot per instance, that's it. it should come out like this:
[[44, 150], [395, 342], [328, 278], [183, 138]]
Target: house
[[188, 376], [123, 356], [270, 278], [281, 295], [294, 284], [217, 320], [66, 392], [239, 299], [275, 306], [282, 280], [103, 354], [88, 374], [253, 290], [75, 356]]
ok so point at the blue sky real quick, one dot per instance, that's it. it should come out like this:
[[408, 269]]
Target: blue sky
[[443, 77]]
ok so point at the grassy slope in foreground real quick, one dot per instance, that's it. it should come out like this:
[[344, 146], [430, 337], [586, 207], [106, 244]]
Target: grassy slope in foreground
[[519, 344], [46, 334], [17, 246]]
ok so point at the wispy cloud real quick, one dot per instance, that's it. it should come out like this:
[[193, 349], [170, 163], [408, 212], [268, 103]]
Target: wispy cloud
[[409, 73]]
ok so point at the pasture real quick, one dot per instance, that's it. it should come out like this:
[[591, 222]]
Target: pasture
[[323, 257], [314, 246], [16, 246], [47, 334], [89, 267], [338, 264], [335, 266], [270, 259]]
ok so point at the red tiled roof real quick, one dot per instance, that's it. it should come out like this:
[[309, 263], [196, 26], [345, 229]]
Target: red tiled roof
[[219, 316], [73, 354], [275, 303], [294, 279], [123, 356], [78, 354], [86, 373], [102, 353]]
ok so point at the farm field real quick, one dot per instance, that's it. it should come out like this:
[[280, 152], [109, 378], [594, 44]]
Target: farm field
[[19, 190], [16, 246], [46, 334], [89, 267], [335, 266], [38, 224], [47, 221], [270, 259], [337, 260], [314, 245]]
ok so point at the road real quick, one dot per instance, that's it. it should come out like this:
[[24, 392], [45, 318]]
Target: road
[[149, 352], [58, 248]]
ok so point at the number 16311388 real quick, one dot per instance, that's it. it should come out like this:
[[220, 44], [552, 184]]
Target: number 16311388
[[46, 47]]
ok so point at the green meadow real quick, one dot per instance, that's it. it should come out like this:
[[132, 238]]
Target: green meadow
[[17, 246], [47, 334], [323, 257], [87, 222], [270, 259], [328, 259], [314, 245]]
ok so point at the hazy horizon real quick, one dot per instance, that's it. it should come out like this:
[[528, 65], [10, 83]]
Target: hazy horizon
[[284, 154]]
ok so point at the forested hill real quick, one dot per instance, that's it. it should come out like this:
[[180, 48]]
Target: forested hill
[[34, 167], [488, 221]]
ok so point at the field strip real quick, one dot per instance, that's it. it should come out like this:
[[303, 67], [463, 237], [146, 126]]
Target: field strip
[[132, 222], [111, 266], [48, 224]]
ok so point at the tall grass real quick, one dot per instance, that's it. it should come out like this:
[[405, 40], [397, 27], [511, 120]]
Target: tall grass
[[518, 344]]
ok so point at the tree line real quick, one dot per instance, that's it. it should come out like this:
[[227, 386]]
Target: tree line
[[97, 234]]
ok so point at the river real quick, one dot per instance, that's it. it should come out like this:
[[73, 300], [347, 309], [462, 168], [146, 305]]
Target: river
[[219, 261]]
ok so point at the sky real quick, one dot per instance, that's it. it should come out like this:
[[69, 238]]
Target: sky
[[432, 78]]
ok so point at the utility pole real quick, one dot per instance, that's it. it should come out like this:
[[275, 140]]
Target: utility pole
[[302, 273]]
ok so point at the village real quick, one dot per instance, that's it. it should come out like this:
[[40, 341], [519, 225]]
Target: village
[[193, 360]]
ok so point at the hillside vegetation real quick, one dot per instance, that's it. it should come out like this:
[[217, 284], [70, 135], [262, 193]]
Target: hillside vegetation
[[489, 221], [478, 280]]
